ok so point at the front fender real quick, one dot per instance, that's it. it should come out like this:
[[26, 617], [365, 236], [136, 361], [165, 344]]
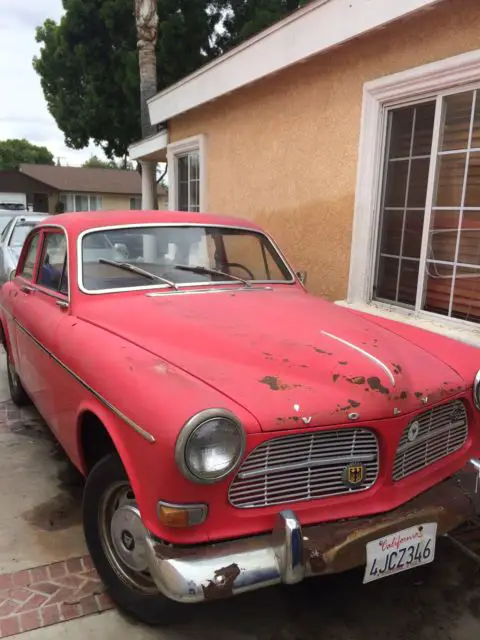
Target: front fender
[[130, 447]]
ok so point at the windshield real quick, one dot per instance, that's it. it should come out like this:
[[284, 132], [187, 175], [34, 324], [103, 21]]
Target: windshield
[[20, 232], [180, 255]]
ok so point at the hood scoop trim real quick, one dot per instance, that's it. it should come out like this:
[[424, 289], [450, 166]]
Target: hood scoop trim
[[368, 355]]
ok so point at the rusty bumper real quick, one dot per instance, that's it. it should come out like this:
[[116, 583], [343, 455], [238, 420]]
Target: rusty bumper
[[289, 554]]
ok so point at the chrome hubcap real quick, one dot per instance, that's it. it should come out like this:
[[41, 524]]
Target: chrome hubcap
[[128, 537], [123, 538]]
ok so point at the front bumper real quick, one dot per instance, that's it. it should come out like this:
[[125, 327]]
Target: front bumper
[[289, 554]]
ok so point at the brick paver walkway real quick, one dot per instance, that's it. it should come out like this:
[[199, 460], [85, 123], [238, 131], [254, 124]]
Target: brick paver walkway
[[46, 595]]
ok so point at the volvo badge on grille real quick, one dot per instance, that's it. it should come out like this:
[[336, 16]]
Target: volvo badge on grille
[[413, 431], [354, 474]]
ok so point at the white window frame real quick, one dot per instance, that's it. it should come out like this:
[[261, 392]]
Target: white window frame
[[176, 149], [66, 195], [429, 81]]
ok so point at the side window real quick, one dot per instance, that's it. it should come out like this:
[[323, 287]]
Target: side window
[[29, 262], [52, 273]]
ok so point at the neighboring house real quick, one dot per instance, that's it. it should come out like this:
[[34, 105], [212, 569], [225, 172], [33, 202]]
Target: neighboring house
[[351, 131], [78, 188]]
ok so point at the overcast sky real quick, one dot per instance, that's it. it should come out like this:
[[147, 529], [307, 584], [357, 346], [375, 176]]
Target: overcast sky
[[23, 111]]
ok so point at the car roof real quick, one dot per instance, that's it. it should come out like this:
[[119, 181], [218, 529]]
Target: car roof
[[82, 221]]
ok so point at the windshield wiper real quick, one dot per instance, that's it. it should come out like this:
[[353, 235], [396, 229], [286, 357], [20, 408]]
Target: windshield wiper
[[126, 266], [213, 272]]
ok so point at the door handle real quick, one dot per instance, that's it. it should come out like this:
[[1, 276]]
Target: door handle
[[26, 289], [63, 304]]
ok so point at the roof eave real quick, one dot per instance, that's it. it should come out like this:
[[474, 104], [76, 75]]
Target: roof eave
[[317, 27]]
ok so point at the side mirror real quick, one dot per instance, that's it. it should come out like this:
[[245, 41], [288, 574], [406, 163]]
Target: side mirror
[[302, 276]]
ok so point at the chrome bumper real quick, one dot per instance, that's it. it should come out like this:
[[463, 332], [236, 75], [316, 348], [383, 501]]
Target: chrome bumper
[[290, 554]]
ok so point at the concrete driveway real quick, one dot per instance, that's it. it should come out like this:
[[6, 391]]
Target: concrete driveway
[[48, 588]]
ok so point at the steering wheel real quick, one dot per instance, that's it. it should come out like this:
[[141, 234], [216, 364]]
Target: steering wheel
[[240, 266]]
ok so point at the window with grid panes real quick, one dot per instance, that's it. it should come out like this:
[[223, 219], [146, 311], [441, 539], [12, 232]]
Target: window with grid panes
[[428, 255], [81, 202], [188, 181]]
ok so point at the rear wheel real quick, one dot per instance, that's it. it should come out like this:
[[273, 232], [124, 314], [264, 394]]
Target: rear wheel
[[17, 392], [115, 537]]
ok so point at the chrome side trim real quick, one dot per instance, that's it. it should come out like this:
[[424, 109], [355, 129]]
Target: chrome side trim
[[145, 434], [368, 355]]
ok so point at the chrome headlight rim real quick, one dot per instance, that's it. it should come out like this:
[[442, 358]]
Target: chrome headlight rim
[[476, 390], [189, 428]]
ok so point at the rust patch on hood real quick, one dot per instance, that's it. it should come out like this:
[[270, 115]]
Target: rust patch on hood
[[288, 419], [222, 584], [276, 385], [356, 380], [375, 384], [322, 351]]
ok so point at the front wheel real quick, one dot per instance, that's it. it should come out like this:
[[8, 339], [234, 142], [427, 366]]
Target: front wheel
[[115, 538]]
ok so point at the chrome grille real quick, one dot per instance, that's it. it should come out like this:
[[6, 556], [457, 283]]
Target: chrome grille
[[441, 431], [304, 467]]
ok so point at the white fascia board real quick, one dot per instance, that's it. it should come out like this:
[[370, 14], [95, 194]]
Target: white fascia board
[[151, 148], [319, 26]]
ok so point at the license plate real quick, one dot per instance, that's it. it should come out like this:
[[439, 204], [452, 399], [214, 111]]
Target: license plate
[[400, 551]]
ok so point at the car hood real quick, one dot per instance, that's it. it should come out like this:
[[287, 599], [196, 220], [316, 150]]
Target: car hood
[[288, 357]]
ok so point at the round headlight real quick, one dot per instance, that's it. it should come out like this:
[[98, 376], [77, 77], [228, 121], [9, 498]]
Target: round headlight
[[210, 446], [12, 274], [476, 391]]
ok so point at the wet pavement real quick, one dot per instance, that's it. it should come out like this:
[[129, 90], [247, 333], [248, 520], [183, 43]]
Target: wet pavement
[[40, 528]]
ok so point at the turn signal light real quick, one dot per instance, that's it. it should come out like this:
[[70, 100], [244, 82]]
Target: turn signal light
[[181, 516]]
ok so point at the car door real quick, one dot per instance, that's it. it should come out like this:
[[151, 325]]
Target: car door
[[19, 299], [39, 310]]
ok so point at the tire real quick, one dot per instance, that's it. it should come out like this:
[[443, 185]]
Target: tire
[[134, 591], [17, 392]]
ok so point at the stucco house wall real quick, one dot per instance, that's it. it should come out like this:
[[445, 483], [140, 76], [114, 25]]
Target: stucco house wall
[[284, 151]]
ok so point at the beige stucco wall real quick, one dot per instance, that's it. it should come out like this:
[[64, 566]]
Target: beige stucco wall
[[115, 202], [284, 151]]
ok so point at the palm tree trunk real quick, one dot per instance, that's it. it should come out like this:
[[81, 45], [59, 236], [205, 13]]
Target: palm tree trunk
[[146, 19]]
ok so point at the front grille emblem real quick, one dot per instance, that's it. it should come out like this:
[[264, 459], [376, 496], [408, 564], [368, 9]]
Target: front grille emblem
[[413, 431], [354, 474]]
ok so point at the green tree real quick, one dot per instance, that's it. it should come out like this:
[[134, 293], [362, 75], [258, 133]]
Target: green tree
[[94, 162], [14, 152], [89, 70], [246, 18]]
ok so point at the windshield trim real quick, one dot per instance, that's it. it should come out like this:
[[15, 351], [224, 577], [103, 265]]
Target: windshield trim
[[146, 225]]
